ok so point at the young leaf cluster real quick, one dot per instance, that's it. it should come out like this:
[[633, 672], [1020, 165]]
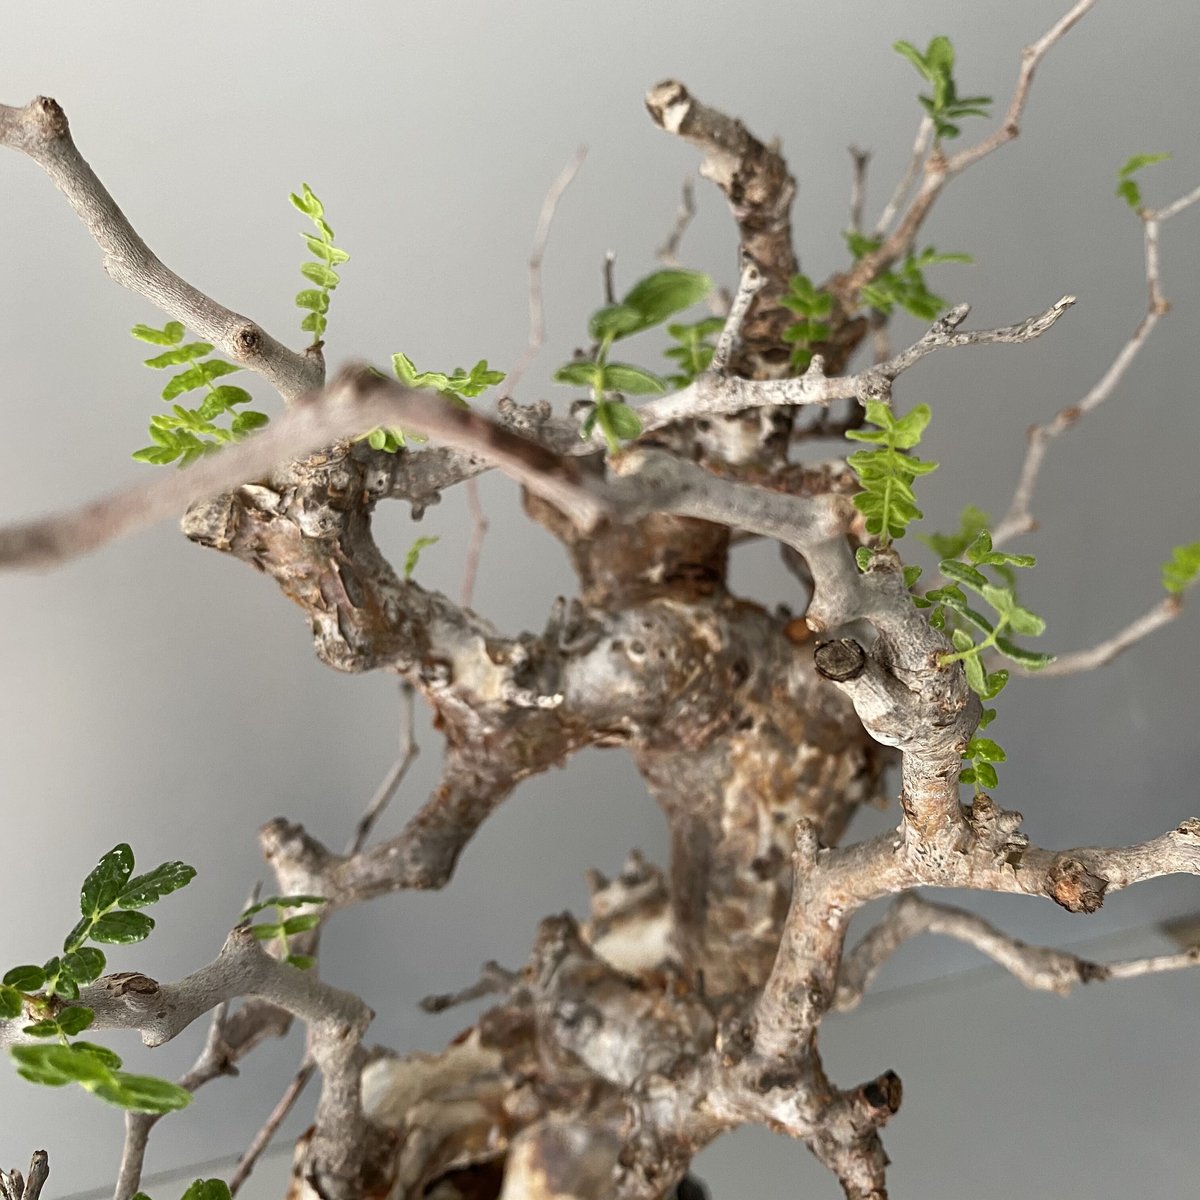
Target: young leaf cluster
[[1127, 186], [648, 303], [1181, 570], [109, 903], [285, 927], [945, 106], [187, 433], [694, 351], [321, 271], [887, 472], [812, 305], [905, 287], [201, 1189], [456, 388], [953, 611]]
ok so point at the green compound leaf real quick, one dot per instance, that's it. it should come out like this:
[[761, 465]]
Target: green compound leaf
[[694, 353], [887, 472], [106, 881], [154, 885], [414, 554], [1180, 571], [11, 1003], [122, 928]]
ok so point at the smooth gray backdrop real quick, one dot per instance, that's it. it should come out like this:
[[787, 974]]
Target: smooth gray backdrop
[[159, 694]]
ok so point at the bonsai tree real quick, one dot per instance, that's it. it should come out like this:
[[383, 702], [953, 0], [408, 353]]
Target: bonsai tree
[[688, 1000]]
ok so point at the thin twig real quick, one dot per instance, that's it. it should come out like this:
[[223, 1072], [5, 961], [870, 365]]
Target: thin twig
[[1019, 518], [395, 776], [493, 978], [278, 1114], [537, 318], [479, 528], [668, 252], [749, 285], [858, 186], [904, 185], [1165, 611], [610, 286]]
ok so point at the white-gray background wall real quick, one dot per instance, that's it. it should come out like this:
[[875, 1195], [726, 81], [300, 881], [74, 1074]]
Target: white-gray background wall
[[159, 694]]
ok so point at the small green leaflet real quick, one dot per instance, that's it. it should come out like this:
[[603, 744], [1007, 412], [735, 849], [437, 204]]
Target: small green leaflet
[[287, 927], [414, 554], [92, 1067], [1179, 572], [1127, 186]]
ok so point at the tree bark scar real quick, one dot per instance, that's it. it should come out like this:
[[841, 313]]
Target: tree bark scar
[[840, 660]]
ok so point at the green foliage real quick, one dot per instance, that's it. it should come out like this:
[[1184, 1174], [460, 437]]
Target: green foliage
[[414, 554], [888, 471], [1180, 571], [811, 305], [945, 106], [695, 351], [904, 287], [953, 611], [188, 433], [648, 303], [951, 545], [455, 387], [107, 901], [321, 271], [201, 1189], [1127, 186], [285, 927]]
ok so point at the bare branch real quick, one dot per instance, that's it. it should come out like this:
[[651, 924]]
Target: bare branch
[[1019, 518], [395, 776], [15, 1186], [1031, 57], [537, 316], [40, 130], [1165, 611], [356, 402], [905, 183], [493, 979], [262, 1139], [668, 252], [479, 528], [749, 285], [712, 395], [858, 186]]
